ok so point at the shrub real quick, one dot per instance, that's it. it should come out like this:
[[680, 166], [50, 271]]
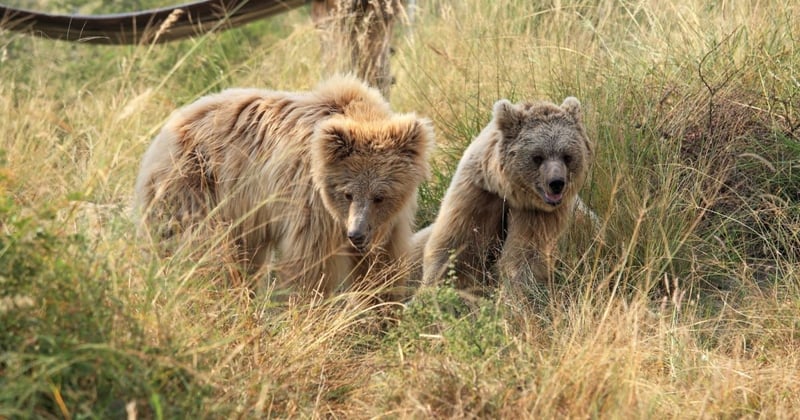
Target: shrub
[[68, 343]]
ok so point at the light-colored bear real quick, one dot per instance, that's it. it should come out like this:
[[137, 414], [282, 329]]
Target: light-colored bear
[[513, 194], [320, 187]]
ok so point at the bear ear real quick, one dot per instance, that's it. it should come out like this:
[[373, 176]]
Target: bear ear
[[417, 140], [336, 142], [507, 117], [573, 108]]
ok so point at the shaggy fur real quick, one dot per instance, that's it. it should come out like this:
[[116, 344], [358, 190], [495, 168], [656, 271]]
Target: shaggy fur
[[318, 186], [512, 196]]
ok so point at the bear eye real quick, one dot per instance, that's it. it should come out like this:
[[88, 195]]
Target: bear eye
[[567, 159], [537, 160], [377, 199], [348, 196]]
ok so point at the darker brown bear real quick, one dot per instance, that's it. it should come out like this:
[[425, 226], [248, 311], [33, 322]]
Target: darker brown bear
[[511, 197]]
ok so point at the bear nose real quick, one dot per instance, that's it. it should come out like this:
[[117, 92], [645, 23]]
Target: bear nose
[[356, 238], [557, 185]]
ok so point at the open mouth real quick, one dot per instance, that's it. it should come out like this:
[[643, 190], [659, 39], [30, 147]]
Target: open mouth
[[553, 199]]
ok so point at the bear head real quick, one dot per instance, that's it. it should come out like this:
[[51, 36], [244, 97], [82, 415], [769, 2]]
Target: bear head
[[367, 173], [543, 150]]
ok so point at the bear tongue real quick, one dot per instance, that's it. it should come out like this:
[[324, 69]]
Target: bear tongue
[[553, 198]]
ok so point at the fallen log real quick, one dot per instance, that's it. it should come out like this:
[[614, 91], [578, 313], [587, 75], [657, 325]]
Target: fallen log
[[144, 27]]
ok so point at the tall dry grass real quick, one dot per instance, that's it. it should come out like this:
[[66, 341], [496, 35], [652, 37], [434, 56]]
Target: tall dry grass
[[685, 304]]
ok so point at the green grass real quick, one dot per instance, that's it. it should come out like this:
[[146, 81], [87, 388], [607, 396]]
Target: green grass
[[685, 304]]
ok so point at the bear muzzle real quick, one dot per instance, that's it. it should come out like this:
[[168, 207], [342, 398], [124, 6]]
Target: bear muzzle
[[358, 231], [554, 174], [358, 239], [555, 191]]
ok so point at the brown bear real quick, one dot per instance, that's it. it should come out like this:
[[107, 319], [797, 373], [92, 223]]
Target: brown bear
[[319, 187], [511, 197]]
